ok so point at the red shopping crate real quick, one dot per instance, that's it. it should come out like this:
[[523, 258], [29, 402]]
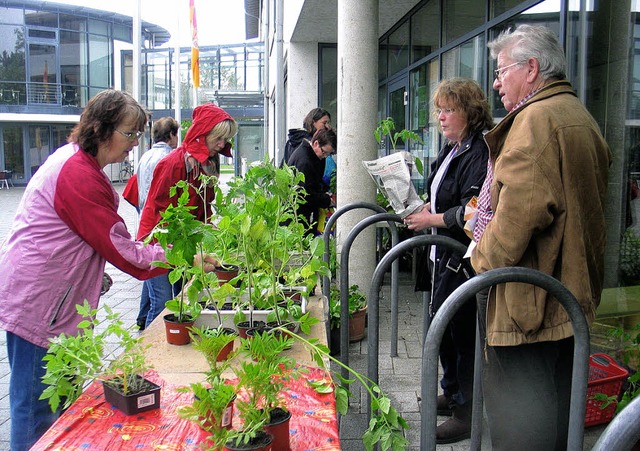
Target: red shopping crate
[[606, 377]]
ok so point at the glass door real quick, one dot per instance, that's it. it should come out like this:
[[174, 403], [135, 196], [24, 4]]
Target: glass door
[[399, 109], [42, 67]]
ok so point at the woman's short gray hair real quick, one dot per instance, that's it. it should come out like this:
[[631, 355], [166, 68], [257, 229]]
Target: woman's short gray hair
[[528, 41]]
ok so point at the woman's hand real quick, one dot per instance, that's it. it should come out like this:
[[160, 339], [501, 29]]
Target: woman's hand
[[424, 219], [419, 220], [208, 264]]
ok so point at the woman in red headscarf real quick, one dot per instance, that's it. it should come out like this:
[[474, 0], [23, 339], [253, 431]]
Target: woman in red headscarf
[[207, 139]]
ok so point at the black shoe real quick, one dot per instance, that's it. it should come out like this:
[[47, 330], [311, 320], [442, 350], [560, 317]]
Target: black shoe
[[141, 323], [444, 406], [453, 430]]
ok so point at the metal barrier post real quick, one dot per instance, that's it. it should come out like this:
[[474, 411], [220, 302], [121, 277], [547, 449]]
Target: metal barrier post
[[623, 431], [326, 234], [344, 283], [466, 292], [325, 282], [373, 344]]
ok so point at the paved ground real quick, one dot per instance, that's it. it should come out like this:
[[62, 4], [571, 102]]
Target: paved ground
[[399, 376]]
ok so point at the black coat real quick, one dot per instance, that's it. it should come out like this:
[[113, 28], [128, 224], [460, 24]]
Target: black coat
[[305, 160], [294, 139], [462, 181]]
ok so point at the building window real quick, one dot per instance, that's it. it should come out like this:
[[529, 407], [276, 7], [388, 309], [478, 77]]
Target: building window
[[460, 17], [328, 95], [12, 145], [466, 60], [425, 31], [398, 51]]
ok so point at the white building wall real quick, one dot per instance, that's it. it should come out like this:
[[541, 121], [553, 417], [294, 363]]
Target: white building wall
[[302, 85]]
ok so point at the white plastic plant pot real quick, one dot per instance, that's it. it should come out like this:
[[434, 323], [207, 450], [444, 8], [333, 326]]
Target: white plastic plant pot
[[209, 317]]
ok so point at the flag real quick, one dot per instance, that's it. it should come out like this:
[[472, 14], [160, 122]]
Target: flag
[[195, 51]]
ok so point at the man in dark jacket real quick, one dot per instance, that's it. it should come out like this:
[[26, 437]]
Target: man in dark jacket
[[309, 159]]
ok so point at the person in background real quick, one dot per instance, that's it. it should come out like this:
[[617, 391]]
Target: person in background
[[66, 228], [207, 139], [165, 139], [456, 176], [309, 159], [546, 197], [315, 120]]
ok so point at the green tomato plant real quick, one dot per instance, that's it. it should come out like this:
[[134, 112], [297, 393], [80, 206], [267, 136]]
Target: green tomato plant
[[74, 360]]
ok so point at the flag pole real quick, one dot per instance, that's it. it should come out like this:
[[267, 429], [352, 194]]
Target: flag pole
[[177, 83], [195, 52]]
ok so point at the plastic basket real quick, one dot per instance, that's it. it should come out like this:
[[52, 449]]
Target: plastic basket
[[606, 377]]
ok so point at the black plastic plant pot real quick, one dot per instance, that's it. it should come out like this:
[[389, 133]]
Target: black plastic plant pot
[[133, 403], [244, 326]]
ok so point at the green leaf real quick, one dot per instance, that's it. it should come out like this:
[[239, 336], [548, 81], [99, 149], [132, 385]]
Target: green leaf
[[342, 400]]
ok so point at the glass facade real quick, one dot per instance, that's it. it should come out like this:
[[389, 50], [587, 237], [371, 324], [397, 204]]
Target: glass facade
[[53, 61], [602, 44]]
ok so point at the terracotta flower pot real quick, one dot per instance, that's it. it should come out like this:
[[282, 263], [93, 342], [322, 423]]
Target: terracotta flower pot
[[226, 273], [278, 427], [177, 333], [244, 326], [357, 325]]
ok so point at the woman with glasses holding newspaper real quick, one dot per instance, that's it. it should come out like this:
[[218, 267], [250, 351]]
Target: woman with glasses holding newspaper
[[456, 176]]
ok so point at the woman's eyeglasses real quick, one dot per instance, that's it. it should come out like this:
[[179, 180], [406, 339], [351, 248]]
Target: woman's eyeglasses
[[131, 136], [446, 111]]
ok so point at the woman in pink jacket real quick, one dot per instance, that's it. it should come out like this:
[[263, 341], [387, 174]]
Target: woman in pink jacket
[[66, 228]]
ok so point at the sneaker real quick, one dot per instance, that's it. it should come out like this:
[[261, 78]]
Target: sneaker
[[453, 430], [141, 324], [444, 407]]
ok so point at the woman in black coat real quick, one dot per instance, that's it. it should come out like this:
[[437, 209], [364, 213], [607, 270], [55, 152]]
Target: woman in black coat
[[456, 177]]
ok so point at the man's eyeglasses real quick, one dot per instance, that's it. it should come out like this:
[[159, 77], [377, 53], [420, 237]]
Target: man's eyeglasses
[[325, 151], [446, 111], [131, 136], [499, 73]]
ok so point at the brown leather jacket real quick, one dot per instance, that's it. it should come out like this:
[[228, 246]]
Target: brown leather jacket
[[551, 167]]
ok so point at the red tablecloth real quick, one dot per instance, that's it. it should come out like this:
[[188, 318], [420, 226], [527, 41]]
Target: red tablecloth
[[93, 424]]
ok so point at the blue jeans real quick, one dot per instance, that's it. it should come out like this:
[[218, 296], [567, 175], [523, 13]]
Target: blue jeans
[[30, 417], [145, 304], [159, 292]]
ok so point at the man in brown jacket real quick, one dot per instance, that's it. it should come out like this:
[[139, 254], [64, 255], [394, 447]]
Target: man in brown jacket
[[545, 199]]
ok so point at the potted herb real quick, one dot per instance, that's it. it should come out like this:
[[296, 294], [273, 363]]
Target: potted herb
[[386, 427], [212, 408], [261, 376], [73, 361], [386, 129], [357, 312], [629, 355], [213, 401], [181, 235]]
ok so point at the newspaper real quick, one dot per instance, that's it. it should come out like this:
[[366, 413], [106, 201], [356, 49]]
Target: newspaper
[[392, 175]]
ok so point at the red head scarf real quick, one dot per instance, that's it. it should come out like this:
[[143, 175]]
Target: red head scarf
[[205, 117]]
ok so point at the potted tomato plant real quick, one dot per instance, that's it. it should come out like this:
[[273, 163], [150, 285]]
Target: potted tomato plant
[[72, 361]]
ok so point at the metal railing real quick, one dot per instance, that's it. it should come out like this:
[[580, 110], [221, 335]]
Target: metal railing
[[38, 93], [465, 293]]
